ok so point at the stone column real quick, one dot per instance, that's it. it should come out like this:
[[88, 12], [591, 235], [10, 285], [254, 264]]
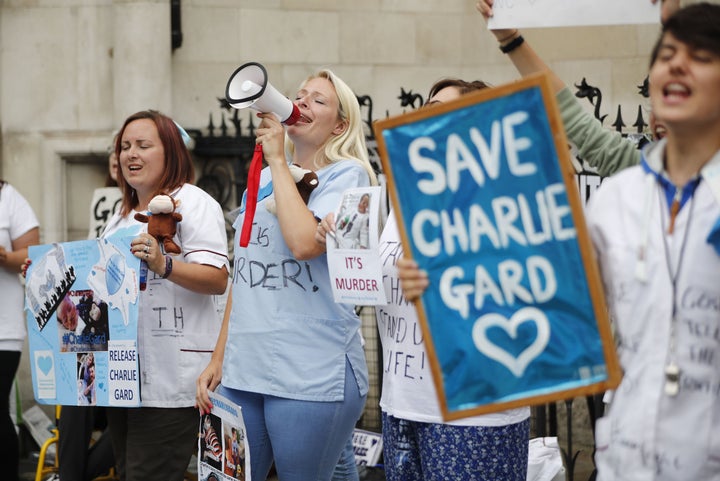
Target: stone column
[[142, 70]]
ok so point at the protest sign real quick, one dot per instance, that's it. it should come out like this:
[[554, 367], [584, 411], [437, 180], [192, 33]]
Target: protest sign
[[487, 204], [367, 446], [105, 202], [223, 451], [352, 250], [567, 13], [81, 305]]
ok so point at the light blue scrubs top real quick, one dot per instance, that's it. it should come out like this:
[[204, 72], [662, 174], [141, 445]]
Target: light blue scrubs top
[[287, 337]]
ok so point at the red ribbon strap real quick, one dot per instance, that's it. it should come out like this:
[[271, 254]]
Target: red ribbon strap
[[253, 184]]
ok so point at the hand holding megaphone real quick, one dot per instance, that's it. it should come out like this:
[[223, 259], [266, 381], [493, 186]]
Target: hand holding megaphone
[[249, 87]]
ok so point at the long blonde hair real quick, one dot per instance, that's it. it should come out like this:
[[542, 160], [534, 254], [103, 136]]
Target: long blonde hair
[[351, 143]]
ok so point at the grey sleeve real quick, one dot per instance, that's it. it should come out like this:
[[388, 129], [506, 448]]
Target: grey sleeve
[[606, 150]]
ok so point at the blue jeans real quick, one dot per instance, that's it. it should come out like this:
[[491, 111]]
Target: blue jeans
[[346, 469], [304, 438]]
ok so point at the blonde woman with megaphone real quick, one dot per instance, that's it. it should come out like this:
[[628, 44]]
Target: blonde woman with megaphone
[[289, 355]]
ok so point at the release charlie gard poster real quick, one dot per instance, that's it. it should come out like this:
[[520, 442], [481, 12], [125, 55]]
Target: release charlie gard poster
[[81, 310], [484, 194]]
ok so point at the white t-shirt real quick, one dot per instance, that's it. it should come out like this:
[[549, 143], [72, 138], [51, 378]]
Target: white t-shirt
[[408, 391], [16, 219], [178, 328]]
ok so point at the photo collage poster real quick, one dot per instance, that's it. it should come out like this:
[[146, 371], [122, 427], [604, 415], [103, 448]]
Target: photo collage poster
[[81, 305]]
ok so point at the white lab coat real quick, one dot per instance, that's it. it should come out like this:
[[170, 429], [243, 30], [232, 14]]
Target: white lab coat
[[646, 433]]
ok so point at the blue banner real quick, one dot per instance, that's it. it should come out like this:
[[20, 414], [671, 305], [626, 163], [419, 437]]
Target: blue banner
[[484, 208], [81, 309]]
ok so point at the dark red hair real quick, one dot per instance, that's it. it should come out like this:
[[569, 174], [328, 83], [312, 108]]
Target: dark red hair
[[179, 168]]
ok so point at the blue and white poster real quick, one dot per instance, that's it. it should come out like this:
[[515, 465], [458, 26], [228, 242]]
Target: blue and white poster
[[487, 205], [81, 305]]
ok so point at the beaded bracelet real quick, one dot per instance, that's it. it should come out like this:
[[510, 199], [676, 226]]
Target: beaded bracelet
[[168, 267], [515, 43]]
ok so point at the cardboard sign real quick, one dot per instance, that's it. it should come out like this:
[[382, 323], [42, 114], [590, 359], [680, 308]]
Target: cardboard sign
[[568, 13], [81, 305], [105, 202], [352, 250], [367, 446], [487, 205]]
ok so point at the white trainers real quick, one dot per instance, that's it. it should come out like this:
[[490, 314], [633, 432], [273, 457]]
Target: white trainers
[[53, 477]]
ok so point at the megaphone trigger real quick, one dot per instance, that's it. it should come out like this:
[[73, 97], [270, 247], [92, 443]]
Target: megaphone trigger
[[249, 87]]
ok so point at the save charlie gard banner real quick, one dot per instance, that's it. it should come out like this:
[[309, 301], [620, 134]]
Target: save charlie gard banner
[[81, 309], [484, 192]]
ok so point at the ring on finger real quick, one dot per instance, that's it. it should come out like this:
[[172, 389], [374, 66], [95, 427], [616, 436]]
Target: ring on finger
[[148, 242], [146, 255], [146, 250]]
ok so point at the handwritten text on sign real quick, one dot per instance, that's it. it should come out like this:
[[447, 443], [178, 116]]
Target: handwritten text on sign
[[485, 211], [511, 218]]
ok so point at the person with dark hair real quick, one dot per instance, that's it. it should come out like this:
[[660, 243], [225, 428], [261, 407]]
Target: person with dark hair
[[417, 444], [438, 92], [157, 440], [18, 230], [656, 232]]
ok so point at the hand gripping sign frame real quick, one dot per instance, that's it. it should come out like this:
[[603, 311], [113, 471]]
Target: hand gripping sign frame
[[486, 202]]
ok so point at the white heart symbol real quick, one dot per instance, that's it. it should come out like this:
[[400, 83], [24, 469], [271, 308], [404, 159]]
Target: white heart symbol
[[527, 314]]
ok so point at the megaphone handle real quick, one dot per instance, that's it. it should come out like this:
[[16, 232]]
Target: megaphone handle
[[253, 184]]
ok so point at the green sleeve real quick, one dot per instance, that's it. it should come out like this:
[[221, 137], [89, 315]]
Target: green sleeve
[[606, 150]]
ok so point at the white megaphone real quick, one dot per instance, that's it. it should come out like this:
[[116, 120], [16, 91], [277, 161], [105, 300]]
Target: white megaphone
[[249, 87]]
